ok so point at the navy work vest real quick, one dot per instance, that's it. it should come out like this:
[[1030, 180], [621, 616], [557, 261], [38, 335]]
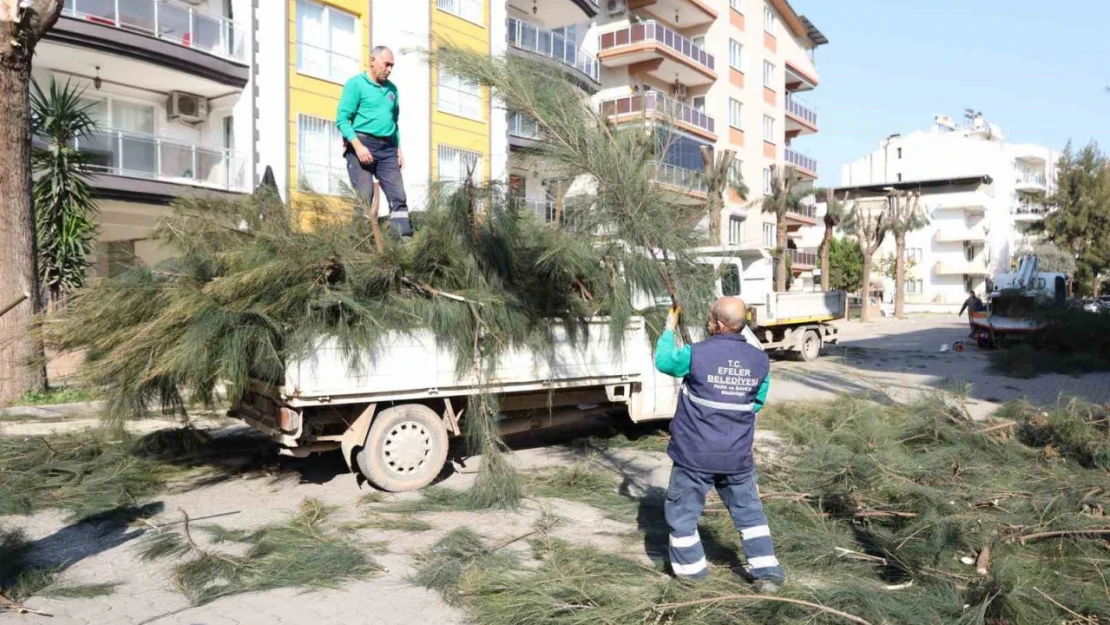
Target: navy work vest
[[713, 426]]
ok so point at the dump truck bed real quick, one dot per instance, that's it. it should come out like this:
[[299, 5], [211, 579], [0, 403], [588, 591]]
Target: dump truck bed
[[793, 308]]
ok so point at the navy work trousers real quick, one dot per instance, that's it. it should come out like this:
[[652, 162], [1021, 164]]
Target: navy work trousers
[[388, 172]]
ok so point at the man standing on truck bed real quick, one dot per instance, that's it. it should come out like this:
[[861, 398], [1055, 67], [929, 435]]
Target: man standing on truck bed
[[367, 118], [724, 384]]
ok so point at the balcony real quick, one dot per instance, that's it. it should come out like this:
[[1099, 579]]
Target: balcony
[[1030, 181], [961, 268], [656, 50], [801, 118], [149, 43], [658, 106], [556, 13], [135, 155], [531, 38], [802, 261], [686, 13], [961, 235], [524, 132], [804, 165], [802, 215], [687, 181], [799, 78], [1029, 211]]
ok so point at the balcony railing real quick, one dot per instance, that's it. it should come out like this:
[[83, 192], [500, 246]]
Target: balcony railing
[[546, 43], [520, 125], [799, 257], [1030, 178], [1028, 209], [655, 102], [652, 31], [680, 178], [184, 26], [801, 110], [808, 211], [146, 156], [801, 160]]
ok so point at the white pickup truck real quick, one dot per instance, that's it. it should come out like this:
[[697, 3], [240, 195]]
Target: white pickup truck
[[393, 413]]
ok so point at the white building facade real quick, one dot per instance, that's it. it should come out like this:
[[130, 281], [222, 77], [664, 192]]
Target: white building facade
[[980, 192]]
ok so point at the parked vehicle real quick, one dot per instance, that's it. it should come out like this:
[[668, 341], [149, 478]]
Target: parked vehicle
[[392, 414]]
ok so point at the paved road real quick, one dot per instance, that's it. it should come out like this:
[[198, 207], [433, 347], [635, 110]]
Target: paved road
[[900, 359]]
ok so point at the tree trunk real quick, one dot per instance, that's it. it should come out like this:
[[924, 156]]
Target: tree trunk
[[865, 310], [715, 237], [18, 257], [780, 271], [826, 242], [900, 276]]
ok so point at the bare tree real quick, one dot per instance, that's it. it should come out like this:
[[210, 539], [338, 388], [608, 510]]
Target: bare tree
[[782, 199], [904, 215], [717, 177], [834, 214], [22, 24], [868, 224]]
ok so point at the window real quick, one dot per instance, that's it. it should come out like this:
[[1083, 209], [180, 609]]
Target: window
[[899, 177], [455, 164], [915, 254], [321, 166], [768, 74], [736, 4], [735, 114], [736, 173], [698, 41], [769, 129], [470, 10], [229, 133], [735, 230], [767, 180], [134, 153], [328, 42], [459, 97], [769, 238], [770, 20], [735, 55], [698, 104], [899, 153], [915, 287]]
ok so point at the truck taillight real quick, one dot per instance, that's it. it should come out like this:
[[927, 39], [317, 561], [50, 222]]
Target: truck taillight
[[289, 420]]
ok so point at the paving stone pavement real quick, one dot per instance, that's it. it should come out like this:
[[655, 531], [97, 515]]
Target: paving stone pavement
[[900, 359]]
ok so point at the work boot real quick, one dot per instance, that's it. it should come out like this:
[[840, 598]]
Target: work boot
[[768, 586]]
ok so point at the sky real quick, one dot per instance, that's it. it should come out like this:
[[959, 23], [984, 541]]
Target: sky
[[890, 67]]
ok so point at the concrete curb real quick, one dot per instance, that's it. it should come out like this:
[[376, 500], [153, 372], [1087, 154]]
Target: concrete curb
[[56, 410]]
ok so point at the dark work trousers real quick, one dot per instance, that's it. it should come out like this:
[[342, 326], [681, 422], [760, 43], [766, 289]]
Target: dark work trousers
[[685, 502], [388, 172]]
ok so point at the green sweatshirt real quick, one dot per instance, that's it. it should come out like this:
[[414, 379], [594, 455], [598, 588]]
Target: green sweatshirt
[[369, 108], [675, 362]]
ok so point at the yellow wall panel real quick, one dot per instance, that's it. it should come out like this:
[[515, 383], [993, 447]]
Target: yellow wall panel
[[450, 129]]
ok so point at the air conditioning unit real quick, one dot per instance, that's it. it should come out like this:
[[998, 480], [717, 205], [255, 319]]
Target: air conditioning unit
[[616, 7], [187, 108]]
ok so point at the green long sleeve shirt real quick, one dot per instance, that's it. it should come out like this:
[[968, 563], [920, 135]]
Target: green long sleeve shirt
[[675, 362], [369, 108]]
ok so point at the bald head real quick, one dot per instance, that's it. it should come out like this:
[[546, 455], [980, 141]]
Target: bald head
[[727, 316], [381, 64]]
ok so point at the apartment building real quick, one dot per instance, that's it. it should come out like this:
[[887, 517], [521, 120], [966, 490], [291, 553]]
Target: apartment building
[[726, 74], [980, 192], [170, 86]]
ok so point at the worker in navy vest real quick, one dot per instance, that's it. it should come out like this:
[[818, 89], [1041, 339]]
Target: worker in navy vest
[[724, 384]]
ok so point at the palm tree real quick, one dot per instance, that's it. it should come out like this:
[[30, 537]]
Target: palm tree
[[904, 216], [64, 206], [868, 225], [719, 177], [834, 215], [783, 199]]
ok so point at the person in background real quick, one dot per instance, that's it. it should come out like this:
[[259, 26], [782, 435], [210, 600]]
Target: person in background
[[724, 385], [972, 305], [367, 118]]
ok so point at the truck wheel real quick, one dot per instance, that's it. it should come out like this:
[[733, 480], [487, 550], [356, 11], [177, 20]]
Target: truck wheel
[[405, 449], [811, 346]]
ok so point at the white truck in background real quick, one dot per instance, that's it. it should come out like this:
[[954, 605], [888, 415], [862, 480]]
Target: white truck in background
[[392, 414]]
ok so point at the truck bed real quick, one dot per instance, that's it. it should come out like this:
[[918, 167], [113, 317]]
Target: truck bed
[[415, 365], [794, 308]]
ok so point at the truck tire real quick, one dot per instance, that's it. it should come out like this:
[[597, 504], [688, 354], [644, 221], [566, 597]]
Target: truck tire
[[405, 449], [810, 348]]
